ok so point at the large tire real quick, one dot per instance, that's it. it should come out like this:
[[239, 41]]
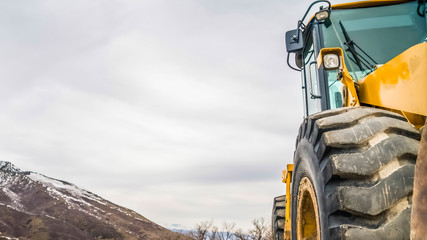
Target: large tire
[[278, 217], [353, 175]]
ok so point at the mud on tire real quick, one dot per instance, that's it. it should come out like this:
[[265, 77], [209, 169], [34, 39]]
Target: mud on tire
[[361, 164]]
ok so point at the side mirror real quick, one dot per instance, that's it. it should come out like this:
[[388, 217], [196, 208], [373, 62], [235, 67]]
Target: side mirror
[[293, 40]]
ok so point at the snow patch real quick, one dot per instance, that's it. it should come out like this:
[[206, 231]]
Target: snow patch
[[8, 238], [50, 216], [15, 203], [55, 185], [9, 167], [73, 196]]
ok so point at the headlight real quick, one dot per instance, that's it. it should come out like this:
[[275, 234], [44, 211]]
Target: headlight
[[322, 15], [331, 61]]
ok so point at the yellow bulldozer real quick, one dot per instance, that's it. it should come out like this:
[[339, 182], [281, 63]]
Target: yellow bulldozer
[[364, 83]]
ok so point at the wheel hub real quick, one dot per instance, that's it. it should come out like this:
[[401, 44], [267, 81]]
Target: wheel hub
[[308, 226]]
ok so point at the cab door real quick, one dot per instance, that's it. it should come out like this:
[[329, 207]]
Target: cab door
[[310, 76]]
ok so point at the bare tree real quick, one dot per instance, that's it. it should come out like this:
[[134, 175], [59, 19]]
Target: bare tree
[[206, 230], [260, 230], [240, 235], [214, 234], [201, 230], [227, 231], [172, 236]]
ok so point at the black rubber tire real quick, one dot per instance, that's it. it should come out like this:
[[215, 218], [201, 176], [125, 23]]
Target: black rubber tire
[[361, 164], [278, 217]]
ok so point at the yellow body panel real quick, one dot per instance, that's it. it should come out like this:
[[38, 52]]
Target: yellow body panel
[[400, 84], [287, 178], [351, 99]]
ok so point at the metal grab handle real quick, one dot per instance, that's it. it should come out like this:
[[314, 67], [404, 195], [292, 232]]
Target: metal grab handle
[[313, 96]]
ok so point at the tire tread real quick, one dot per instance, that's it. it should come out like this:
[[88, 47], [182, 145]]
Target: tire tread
[[355, 147]]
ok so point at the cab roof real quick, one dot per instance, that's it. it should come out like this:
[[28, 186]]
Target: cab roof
[[363, 4]]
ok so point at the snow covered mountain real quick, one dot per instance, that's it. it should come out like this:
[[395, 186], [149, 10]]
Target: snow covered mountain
[[34, 206]]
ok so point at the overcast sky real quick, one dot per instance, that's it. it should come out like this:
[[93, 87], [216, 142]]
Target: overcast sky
[[180, 110]]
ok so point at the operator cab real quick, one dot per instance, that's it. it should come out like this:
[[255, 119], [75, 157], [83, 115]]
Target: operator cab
[[369, 37]]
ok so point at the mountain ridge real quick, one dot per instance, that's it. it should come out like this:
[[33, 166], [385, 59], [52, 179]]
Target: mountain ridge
[[35, 206]]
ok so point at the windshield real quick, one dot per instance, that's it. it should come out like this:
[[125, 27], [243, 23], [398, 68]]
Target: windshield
[[381, 33]]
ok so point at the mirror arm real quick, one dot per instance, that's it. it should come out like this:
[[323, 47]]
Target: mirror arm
[[300, 22], [311, 5]]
